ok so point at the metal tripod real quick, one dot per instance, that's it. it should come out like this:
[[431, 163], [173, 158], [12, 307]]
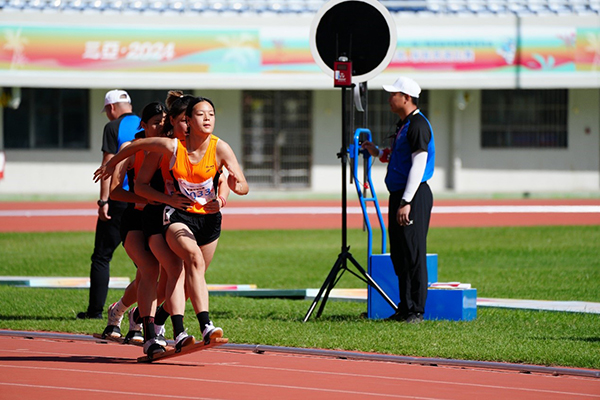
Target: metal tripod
[[341, 264]]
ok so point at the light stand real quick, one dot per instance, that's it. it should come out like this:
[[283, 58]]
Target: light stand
[[341, 264], [365, 31]]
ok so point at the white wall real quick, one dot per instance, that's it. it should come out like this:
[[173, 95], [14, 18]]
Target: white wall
[[575, 168], [461, 165]]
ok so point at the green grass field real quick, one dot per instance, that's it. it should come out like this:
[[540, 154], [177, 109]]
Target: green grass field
[[542, 263]]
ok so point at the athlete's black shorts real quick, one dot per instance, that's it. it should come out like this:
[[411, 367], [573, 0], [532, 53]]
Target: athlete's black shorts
[[205, 227], [153, 220], [130, 221]]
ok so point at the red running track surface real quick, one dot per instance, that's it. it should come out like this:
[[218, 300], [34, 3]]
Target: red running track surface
[[68, 370]]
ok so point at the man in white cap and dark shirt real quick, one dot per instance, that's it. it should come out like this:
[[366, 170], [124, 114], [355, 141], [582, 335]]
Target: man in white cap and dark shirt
[[121, 128], [411, 159]]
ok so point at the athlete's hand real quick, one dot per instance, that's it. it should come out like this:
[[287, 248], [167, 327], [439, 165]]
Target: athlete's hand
[[104, 172], [236, 186], [213, 206], [180, 202]]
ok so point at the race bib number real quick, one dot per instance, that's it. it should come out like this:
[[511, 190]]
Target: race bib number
[[167, 212], [201, 193]]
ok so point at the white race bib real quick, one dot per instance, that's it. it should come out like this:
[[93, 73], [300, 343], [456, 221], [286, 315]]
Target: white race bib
[[201, 193]]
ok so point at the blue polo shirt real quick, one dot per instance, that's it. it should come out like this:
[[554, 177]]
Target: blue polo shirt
[[119, 131], [413, 134]]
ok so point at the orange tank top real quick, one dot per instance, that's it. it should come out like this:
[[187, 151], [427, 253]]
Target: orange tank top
[[198, 181]]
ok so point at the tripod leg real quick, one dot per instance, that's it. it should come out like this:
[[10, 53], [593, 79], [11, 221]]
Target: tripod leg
[[372, 282], [339, 263], [328, 284]]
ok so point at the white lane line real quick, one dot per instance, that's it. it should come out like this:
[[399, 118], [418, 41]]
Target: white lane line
[[557, 209], [373, 378], [105, 391], [225, 382]]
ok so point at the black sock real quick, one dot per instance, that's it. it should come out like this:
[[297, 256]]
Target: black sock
[[177, 321], [203, 319], [149, 332], [136, 316], [161, 315]]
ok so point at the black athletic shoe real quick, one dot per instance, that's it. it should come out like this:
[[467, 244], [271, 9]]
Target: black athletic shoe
[[112, 331], [134, 337], [85, 315], [154, 346]]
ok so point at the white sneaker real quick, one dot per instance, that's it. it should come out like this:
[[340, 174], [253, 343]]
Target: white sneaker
[[211, 332], [159, 330], [114, 319], [183, 339]]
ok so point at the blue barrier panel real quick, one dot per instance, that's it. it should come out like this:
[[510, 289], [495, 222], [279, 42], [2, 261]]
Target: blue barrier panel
[[443, 304], [382, 271], [451, 304]]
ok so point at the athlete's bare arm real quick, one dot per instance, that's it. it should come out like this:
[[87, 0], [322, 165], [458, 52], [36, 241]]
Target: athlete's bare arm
[[236, 180], [142, 185], [160, 145], [116, 186]]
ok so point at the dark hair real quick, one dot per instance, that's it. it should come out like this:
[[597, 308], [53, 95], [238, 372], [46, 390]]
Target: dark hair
[[152, 109], [196, 100], [177, 103], [415, 100]]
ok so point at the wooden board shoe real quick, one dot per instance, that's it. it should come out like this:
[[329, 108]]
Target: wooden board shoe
[[198, 346]]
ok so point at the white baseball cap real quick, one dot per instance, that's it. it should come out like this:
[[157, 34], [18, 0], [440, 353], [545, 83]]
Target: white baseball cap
[[116, 96], [404, 85]]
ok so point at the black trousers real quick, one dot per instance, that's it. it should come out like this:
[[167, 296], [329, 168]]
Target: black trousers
[[408, 249], [107, 240]]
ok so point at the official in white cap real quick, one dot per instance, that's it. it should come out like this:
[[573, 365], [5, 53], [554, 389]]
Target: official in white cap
[[114, 98], [411, 159], [404, 85]]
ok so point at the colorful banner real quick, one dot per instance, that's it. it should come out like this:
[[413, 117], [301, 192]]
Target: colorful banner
[[47, 48], [467, 49], [276, 50]]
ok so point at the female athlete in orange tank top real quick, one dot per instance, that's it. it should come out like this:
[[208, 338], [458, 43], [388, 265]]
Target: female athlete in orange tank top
[[155, 181], [184, 232]]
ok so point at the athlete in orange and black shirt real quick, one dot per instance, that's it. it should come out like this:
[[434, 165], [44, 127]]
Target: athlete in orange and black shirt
[[191, 233]]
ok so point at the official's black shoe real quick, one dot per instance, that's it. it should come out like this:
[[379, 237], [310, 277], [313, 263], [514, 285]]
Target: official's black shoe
[[414, 318], [397, 316], [85, 315]]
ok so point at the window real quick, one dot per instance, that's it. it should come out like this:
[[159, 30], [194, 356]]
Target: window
[[524, 118], [381, 121], [141, 98], [277, 138], [48, 119]]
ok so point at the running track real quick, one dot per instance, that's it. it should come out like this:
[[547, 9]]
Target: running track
[[81, 216], [49, 367], [68, 370]]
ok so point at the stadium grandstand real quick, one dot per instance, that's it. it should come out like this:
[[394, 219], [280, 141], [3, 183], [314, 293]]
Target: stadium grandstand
[[249, 7], [511, 87]]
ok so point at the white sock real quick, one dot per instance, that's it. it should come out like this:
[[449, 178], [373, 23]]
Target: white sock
[[120, 308]]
